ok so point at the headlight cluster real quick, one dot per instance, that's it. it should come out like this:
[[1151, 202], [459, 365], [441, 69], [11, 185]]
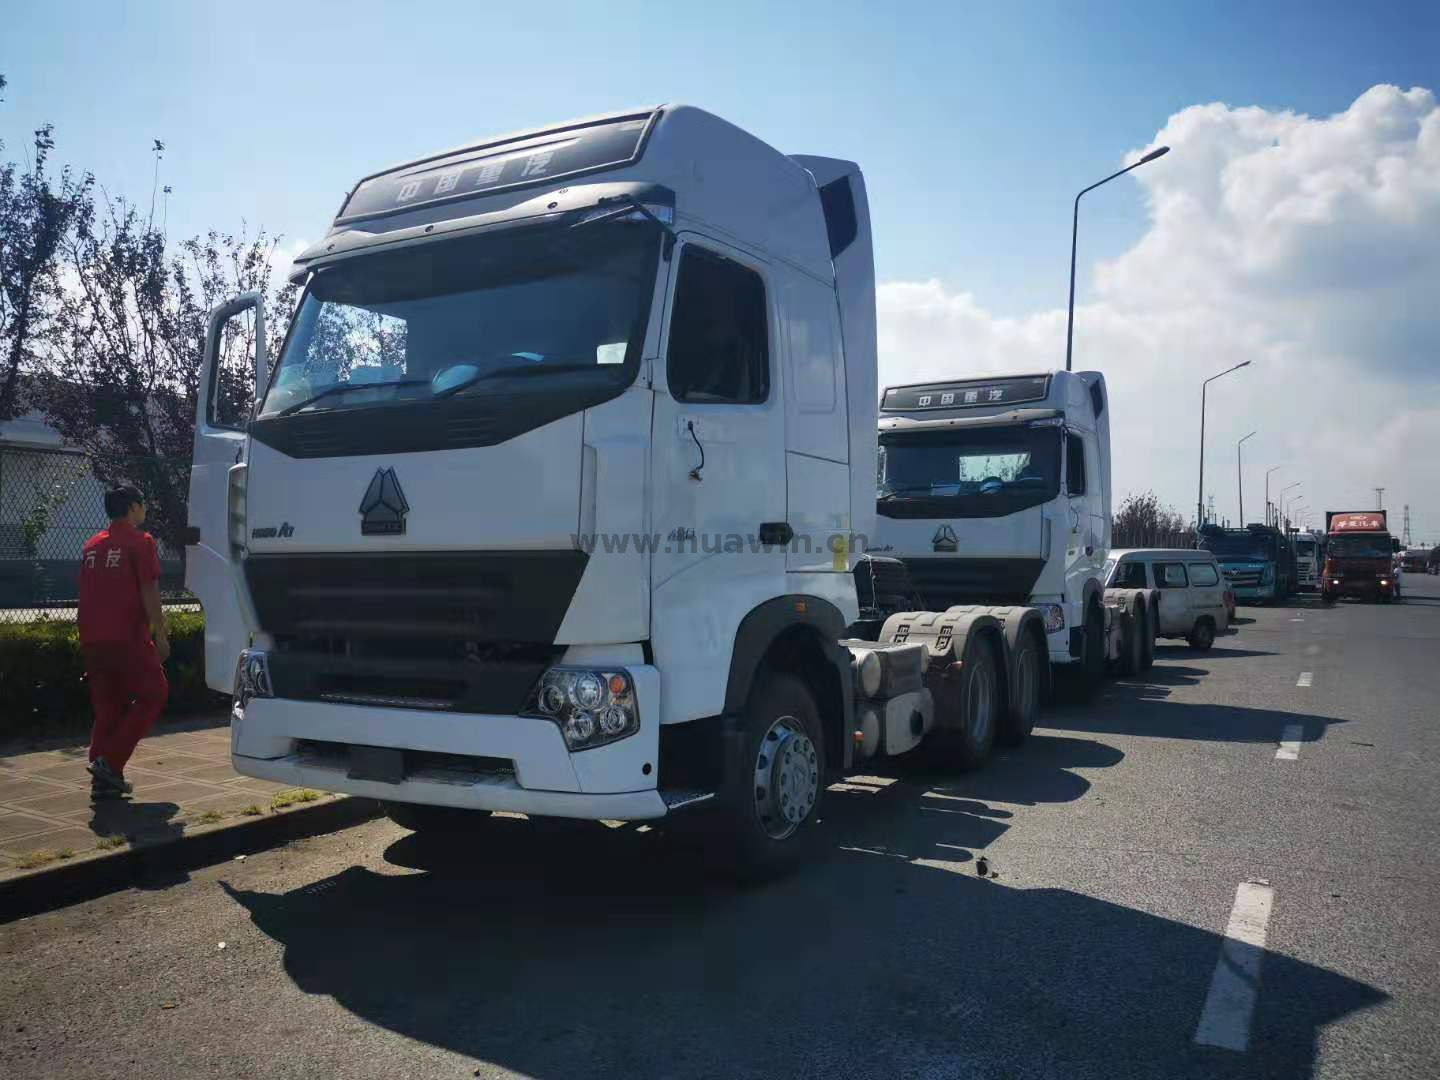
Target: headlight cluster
[[591, 707], [236, 505], [252, 677]]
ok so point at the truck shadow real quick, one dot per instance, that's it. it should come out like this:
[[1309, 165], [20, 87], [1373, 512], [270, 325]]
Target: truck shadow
[[624, 955], [1142, 708]]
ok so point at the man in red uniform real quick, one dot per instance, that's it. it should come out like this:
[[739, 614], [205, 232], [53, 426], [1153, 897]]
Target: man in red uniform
[[119, 615]]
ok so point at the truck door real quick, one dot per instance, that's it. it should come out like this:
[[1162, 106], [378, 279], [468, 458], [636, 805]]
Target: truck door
[[234, 347], [718, 430], [817, 448]]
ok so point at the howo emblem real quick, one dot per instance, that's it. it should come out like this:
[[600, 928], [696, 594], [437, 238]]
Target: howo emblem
[[945, 539], [383, 509]]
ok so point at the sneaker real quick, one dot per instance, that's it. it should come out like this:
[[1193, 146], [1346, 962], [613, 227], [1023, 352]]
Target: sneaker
[[106, 778]]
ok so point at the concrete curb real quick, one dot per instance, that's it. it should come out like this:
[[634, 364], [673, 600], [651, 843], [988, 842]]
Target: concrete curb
[[61, 884]]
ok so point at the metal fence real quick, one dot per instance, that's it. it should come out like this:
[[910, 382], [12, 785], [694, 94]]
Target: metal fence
[[51, 502], [1143, 537]]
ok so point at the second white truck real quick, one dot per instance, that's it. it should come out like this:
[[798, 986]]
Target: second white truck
[[997, 491]]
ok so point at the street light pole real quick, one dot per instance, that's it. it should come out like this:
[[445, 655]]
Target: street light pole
[[1286, 488], [1240, 481], [1075, 237], [1268, 508], [1200, 495]]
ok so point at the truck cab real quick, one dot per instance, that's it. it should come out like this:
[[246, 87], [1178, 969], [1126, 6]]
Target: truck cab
[[549, 495], [997, 491], [1309, 556], [1359, 557], [1257, 561]]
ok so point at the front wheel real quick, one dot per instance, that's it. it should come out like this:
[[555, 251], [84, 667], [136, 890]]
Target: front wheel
[[1328, 599], [1083, 679], [772, 793]]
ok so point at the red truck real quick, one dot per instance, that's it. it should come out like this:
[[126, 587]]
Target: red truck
[[1359, 557]]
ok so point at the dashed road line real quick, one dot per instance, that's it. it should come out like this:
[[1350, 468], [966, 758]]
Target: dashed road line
[[1306, 678], [1289, 748], [1230, 1002]]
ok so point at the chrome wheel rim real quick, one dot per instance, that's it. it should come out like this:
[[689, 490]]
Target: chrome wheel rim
[[787, 778]]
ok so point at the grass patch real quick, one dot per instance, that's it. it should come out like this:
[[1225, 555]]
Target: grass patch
[[253, 810], [293, 797], [106, 843], [209, 817], [65, 853], [30, 860]]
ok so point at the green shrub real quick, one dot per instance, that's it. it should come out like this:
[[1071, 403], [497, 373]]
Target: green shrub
[[42, 675]]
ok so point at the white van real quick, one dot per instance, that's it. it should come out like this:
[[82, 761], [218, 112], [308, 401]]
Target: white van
[[1190, 587]]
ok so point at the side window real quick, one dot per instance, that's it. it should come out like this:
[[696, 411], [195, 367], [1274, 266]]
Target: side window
[[719, 338], [1203, 574], [1074, 465], [1170, 575], [1131, 576]]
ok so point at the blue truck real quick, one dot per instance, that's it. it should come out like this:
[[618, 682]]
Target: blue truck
[[1258, 561]]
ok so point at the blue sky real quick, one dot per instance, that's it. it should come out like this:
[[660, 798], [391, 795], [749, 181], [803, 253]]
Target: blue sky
[[975, 123]]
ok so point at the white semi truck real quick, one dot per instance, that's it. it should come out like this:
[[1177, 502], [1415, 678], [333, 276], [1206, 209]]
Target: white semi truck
[[997, 491], [552, 501]]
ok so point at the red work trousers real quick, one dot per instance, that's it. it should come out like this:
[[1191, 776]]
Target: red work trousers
[[127, 692]]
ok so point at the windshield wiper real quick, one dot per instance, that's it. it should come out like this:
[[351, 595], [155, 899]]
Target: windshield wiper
[[340, 388], [914, 489], [540, 368]]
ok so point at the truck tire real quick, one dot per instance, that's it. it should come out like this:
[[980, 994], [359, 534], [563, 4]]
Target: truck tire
[[1132, 644], [1202, 634], [1147, 638], [771, 795], [968, 745], [434, 820], [1082, 680], [1027, 689]]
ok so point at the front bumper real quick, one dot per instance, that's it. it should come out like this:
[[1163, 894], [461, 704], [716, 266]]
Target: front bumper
[[1253, 592], [468, 760], [1359, 588]]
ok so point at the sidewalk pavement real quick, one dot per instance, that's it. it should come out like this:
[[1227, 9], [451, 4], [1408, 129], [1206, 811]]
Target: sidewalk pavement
[[183, 783]]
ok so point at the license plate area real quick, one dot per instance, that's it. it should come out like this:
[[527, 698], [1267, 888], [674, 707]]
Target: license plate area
[[377, 763]]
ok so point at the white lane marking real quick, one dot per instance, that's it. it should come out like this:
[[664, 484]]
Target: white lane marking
[[1230, 1003], [1290, 743], [1297, 620], [1305, 678]]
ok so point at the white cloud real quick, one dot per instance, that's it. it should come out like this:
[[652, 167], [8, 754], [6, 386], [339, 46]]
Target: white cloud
[[1308, 246]]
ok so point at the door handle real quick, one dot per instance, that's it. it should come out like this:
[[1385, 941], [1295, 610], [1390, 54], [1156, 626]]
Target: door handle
[[776, 532]]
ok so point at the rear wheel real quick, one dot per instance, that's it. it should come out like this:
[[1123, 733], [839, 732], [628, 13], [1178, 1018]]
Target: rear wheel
[[772, 794], [967, 744], [1147, 637], [1202, 636], [1132, 644], [1026, 692]]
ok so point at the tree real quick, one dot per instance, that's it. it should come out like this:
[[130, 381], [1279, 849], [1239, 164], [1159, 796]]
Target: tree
[[37, 212], [1144, 521], [122, 380]]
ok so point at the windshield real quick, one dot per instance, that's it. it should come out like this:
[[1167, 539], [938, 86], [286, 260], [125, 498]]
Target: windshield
[[1359, 547], [1237, 546], [982, 472], [1305, 548], [467, 317]]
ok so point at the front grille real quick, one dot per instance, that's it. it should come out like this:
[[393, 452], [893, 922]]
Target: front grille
[[440, 631], [1243, 578], [943, 583], [489, 596]]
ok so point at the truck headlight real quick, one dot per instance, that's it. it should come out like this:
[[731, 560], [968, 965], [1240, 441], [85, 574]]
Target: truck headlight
[[236, 505], [1054, 617], [591, 706], [252, 676]]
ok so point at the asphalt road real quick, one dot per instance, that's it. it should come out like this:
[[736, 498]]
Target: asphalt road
[[1172, 862]]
